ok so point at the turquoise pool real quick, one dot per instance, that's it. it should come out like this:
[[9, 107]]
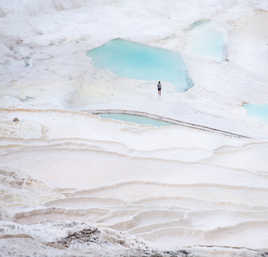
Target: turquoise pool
[[138, 61], [136, 119], [257, 110], [207, 40]]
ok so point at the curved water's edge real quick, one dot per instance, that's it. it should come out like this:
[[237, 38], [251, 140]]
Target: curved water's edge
[[168, 120]]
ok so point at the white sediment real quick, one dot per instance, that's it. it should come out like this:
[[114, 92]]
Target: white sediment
[[64, 170]]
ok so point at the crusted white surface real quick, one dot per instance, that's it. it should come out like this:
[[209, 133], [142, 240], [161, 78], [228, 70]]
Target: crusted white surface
[[172, 186]]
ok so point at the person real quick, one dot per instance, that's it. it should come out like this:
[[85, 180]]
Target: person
[[159, 88]]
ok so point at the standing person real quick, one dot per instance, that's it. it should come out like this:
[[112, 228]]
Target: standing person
[[159, 88]]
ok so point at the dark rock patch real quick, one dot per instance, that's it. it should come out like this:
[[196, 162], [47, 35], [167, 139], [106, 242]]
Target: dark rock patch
[[89, 235]]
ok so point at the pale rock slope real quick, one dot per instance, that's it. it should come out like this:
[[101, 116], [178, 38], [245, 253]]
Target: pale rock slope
[[75, 184]]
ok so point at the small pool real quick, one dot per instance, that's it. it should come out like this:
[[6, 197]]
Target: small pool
[[138, 61], [207, 40], [136, 119], [257, 110]]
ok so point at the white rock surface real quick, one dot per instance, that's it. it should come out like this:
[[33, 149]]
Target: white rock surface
[[63, 170]]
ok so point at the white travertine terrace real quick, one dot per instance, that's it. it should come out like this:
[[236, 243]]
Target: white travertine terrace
[[64, 169]]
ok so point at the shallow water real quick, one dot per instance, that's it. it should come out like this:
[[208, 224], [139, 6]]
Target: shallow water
[[135, 119], [138, 61], [207, 41], [257, 110]]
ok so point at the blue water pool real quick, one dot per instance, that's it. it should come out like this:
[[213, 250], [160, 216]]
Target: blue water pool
[[138, 61], [135, 119], [257, 110], [207, 40]]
